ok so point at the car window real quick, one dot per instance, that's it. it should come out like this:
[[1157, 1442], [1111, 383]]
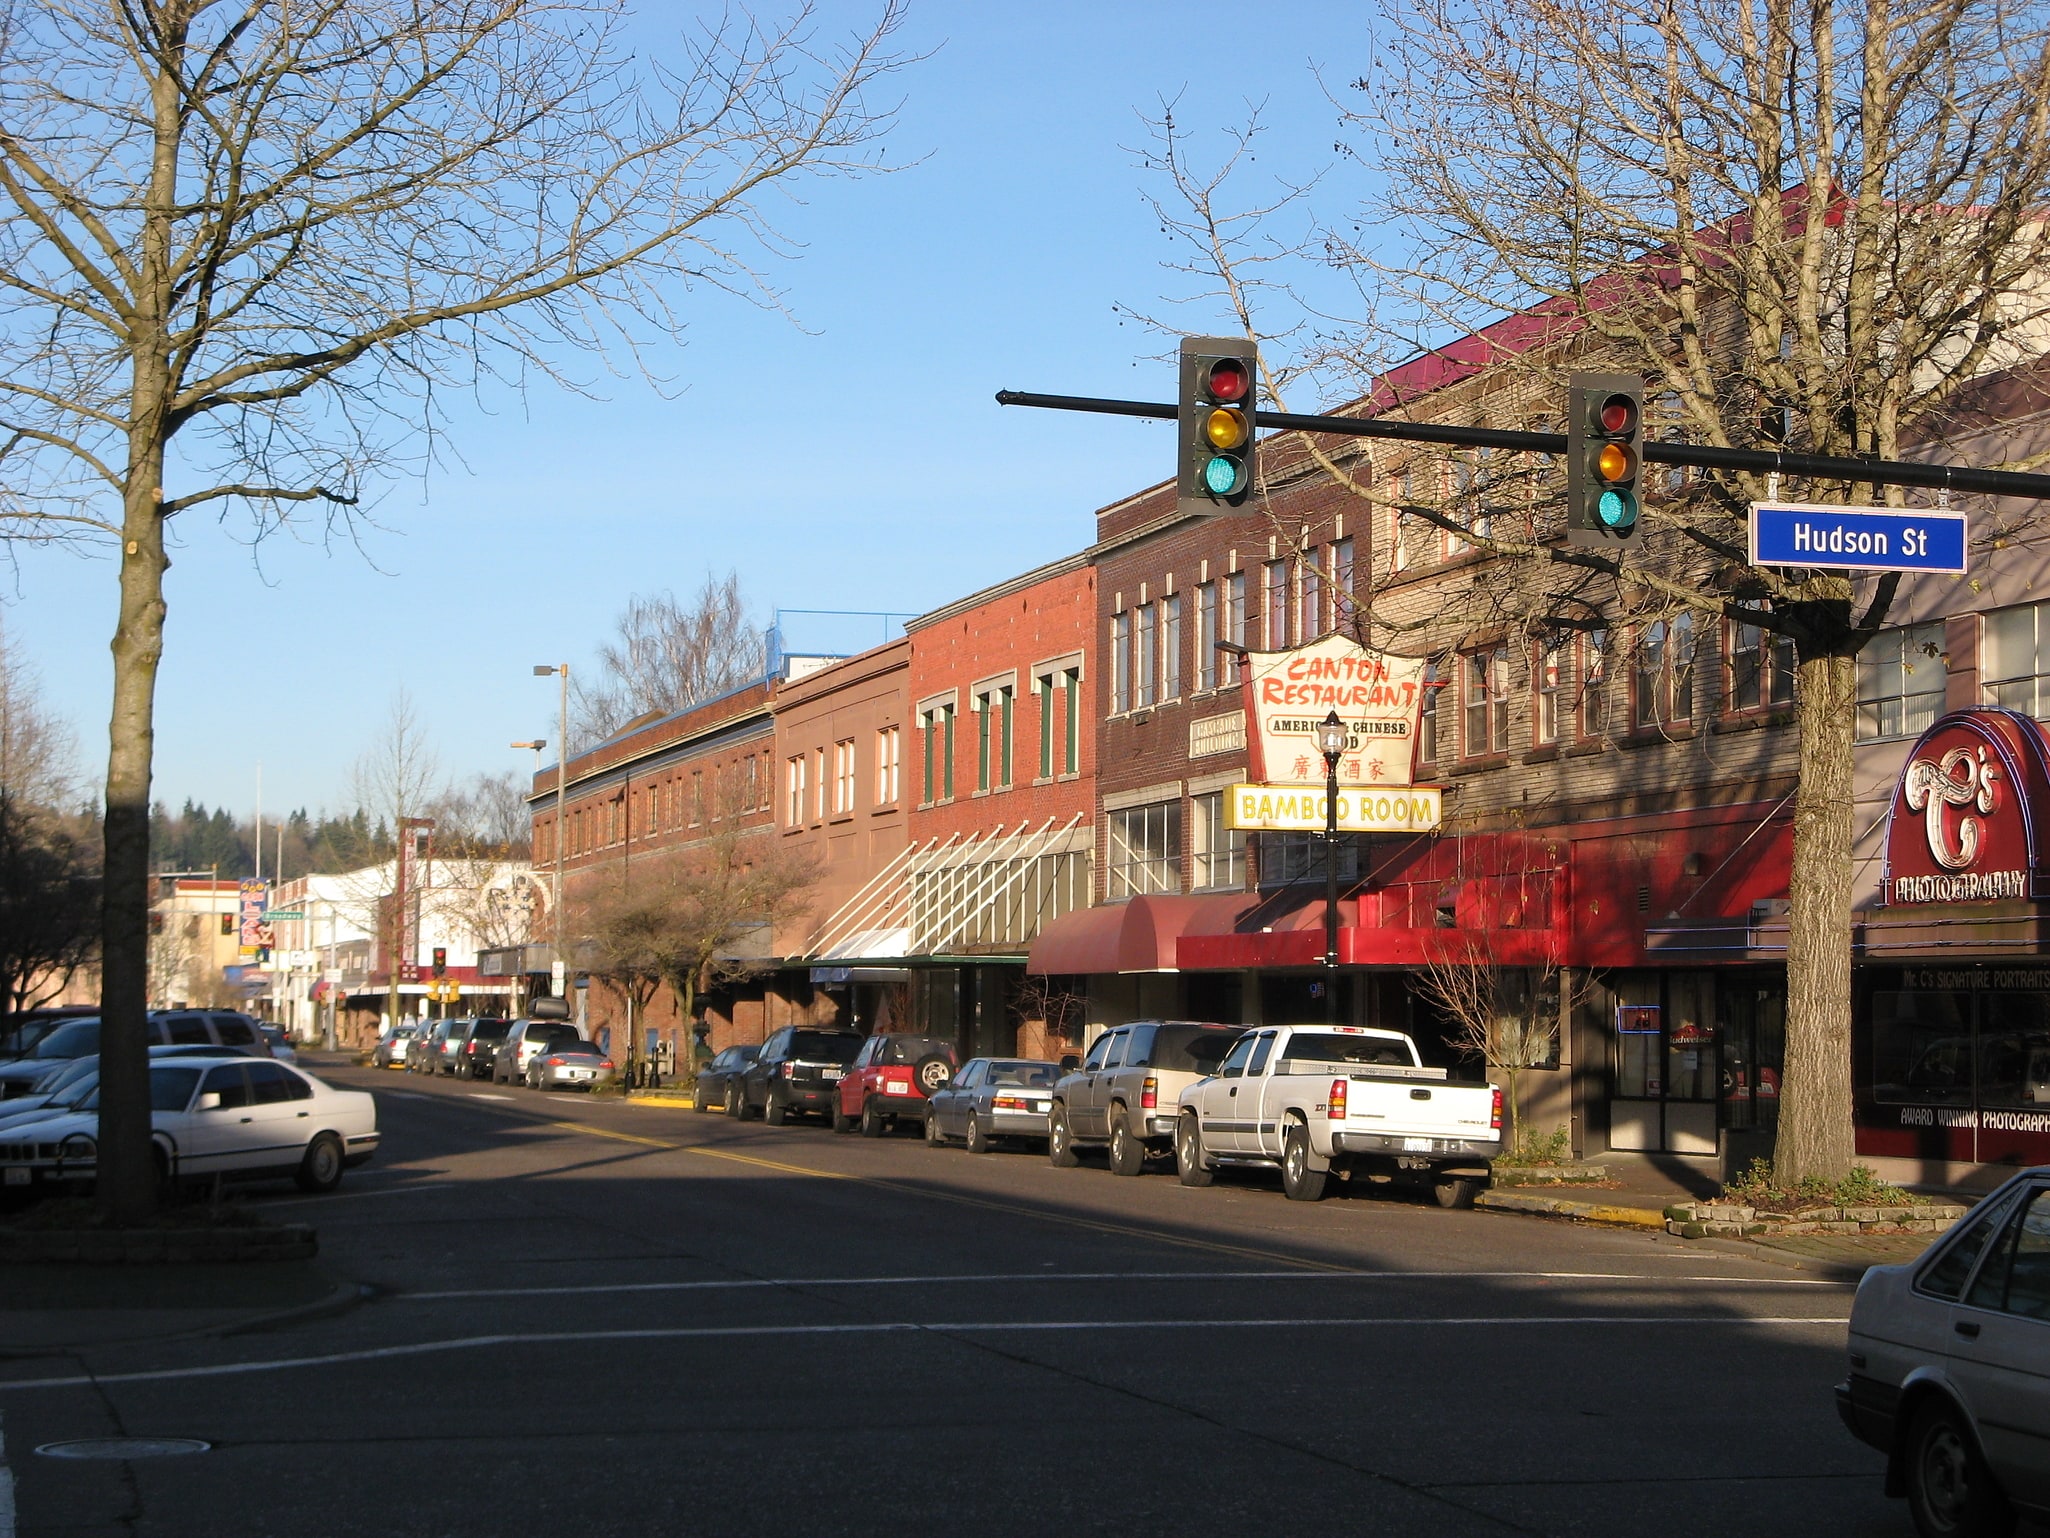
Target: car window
[[267, 1084], [1945, 1277], [1097, 1049], [2016, 1276], [1235, 1060], [1024, 1075], [170, 1089], [234, 1032], [75, 1038], [971, 1075], [1191, 1048], [824, 1046], [490, 1030], [1333, 1047], [188, 1030], [297, 1087], [231, 1082], [1263, 1048], [576, 1049]]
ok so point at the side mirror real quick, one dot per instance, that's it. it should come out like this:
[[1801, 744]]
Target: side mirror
[[210, 1101]]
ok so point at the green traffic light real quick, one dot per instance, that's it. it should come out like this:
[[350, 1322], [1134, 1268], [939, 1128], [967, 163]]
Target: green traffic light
[[1222, 475], [1617, 510]]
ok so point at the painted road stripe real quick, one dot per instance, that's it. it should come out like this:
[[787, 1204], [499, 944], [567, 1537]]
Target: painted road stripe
[[6, 1489], [1005, 1278], [910, 1327]]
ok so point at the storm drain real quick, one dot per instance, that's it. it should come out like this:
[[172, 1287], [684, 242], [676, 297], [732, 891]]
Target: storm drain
[[124, 1447]]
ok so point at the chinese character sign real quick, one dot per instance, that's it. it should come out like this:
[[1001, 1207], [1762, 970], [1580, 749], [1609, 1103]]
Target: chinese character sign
[[255, 902], [1290, 693]]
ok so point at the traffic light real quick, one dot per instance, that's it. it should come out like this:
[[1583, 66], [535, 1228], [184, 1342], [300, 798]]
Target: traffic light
[[1604, 459], [1220, 382], [440, 961]]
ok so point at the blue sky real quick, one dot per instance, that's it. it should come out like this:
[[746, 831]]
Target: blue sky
[[855, 460]]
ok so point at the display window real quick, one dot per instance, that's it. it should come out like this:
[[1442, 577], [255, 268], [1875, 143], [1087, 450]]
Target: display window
[[1953, 1064]]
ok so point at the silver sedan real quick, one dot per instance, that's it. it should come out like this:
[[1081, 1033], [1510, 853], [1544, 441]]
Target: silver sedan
[[570, 1065], [992, 1097]]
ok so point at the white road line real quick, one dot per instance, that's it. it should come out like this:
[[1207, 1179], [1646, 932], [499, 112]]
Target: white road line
[[485, 1094], [6, 1490], [911, 1327], [413, 1189], [1004, 1277]]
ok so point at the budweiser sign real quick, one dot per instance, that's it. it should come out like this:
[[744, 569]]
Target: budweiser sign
[[1966, 813], [1290, 693]]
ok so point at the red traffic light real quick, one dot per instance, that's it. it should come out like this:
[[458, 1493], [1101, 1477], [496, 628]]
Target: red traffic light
[[1229, 380], [1618, 415]]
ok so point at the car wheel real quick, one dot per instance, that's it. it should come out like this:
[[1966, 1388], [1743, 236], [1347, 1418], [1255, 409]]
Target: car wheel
[[1127, 1153], [774, 1111], [871, 1120], [1300, 1183], [1188, 1153], [1951, 1493], [932, 1072], [1060, 1141], [1455, 1191], [842, 1122], [321, 1168], [934, 1138], [736, 1101], [977, 1141]]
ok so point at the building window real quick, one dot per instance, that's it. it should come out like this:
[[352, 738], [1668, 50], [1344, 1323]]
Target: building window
[[1286, 858], [1902, 676], [1487, 701], [1277, 606], [993, 739], [1121, 664], [1235, 608], [889, 748], [1146, 670], [1398, 539], [1311, 624], [1665, 672], [795, 799], [938, 730], [1341, 584], [1042, 687], [819, 780], [1206, 636], [697, 797], [1427, 716], [1145, 849], [1217, 853], [1545, 696], [1594, 683], [2017, 659], [1761, 668], [983, 713], [1171, 647], [1072, 748], [843, 775]]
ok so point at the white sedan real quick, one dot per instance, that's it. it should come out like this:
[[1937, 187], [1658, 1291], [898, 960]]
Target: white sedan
[[238, 1117]]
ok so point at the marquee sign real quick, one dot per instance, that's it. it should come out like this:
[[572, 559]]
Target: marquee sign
[[1361, 809], [1289, 693], [1968, 817]]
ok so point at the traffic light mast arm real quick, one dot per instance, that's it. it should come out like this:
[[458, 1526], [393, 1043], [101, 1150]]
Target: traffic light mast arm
[[1884, 472]]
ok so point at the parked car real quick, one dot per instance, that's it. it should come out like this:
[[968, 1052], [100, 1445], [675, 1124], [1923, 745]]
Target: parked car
[[798, 1069], [236, 1117], [1950, 1368], [449, 1043], [1123, 1095], [990, 1098], [280, 1043], [1311, 1099], [522, 1039], [890, 1079], [80, 1037], [571, 1065], [392, 1045], [20, 1032], [425, 1056], [715, 1088], [480, 1048], [68, 1086]]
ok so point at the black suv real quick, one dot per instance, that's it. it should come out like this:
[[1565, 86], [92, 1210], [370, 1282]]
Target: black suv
[[480, 1048], [798, 1069]]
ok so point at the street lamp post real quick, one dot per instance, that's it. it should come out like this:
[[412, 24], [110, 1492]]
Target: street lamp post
[[1331, 742], [560, 971], [520, 976]]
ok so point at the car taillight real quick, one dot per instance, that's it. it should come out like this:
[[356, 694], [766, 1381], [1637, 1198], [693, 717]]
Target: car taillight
[[604, 1062], [554, 1062], [1495, 1114], [787, 1069], [1337, 1112], [1149, 1094], [1010, 1103]]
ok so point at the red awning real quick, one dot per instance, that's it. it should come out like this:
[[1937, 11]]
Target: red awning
[[1139, 935]]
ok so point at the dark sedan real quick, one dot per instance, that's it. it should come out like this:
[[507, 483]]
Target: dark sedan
[[716, 1080]]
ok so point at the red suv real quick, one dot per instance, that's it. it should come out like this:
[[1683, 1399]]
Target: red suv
[[890, 1078]]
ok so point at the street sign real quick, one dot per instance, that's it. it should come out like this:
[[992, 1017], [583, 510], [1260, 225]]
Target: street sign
[[286, 915], [1875, 539]]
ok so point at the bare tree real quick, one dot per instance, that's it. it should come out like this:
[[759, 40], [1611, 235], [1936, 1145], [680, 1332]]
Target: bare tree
[[271, 235], [1804, 223], [666, 657], [1505, 1016], [37, 763], [49, 871]]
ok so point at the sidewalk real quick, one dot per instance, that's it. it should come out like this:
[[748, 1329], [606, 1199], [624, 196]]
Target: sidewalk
[[58, 1308]]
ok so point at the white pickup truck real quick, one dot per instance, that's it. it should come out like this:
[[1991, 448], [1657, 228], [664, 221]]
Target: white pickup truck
[[1314, 1098]]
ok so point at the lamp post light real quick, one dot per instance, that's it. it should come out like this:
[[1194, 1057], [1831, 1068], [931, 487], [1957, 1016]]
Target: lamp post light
[[560, 971], [1332, 743]]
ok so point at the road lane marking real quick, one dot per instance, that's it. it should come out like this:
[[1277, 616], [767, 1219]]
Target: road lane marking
[[915, 1327], [485, 1094], [617, 1137], [1008, 1277], [6, 1489]]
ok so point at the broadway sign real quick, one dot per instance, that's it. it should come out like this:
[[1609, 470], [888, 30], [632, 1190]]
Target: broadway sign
[[1290, 693]]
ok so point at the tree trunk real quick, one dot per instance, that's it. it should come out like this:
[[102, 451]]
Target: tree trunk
[[1815, 1135]]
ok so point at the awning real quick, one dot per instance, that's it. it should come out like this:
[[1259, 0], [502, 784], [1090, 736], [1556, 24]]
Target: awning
[[1139, 935]]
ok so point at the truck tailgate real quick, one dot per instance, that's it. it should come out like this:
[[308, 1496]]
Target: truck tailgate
[[1421, 1115]]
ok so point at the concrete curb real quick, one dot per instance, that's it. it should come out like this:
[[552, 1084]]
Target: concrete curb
[[1653, 1218]]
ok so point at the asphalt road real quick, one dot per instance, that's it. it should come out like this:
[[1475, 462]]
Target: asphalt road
[[596, 1319]]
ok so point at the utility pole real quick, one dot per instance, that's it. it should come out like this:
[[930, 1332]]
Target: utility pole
[[560, 970]]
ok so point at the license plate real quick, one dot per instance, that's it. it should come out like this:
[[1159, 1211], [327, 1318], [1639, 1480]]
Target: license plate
[[1038, 1106], [580, 1073], [897, 1089], [1416, 1145], [831, 1075], [17, 1177]]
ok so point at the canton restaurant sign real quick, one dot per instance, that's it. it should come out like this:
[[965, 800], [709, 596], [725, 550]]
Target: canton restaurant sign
[[1290, 693], [1968, 816]]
